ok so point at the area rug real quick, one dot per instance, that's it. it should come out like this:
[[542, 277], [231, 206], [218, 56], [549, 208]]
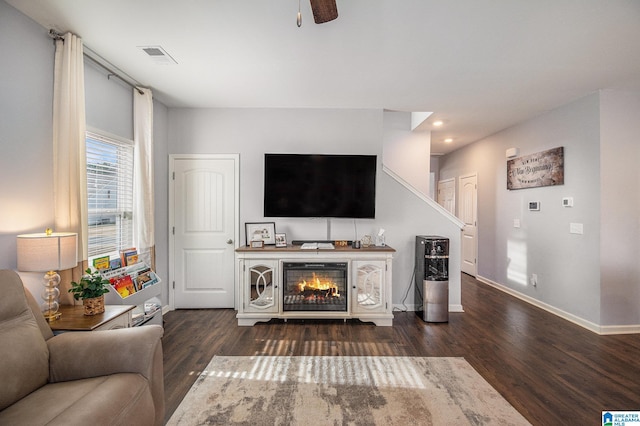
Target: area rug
[[318, 390]]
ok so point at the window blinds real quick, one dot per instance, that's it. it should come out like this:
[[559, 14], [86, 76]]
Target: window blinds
[[110, 194]]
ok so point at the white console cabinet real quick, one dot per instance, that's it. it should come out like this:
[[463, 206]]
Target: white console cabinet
[[369, 280], [260, 291]]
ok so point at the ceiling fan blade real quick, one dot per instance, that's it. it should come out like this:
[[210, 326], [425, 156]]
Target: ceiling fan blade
[[324, 10]]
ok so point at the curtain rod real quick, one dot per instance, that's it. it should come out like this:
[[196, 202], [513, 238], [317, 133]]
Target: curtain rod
[[98, 60]]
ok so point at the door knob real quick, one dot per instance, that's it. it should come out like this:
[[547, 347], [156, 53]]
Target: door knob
[[229, 241]]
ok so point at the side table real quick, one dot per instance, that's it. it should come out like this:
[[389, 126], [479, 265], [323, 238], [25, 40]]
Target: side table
[[74, 319]]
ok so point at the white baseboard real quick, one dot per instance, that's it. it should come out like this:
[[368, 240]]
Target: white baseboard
[[412, 308], [598, 329], [619, 329], [456, 308]]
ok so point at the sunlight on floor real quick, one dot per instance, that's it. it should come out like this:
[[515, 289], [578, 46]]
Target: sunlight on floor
[[517, 268], [324, 347], [356, 371]]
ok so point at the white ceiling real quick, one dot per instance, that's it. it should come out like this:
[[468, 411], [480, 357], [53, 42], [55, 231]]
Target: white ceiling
[[479, 65]]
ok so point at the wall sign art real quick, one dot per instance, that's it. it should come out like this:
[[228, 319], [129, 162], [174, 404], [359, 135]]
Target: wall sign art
[[541, 169]]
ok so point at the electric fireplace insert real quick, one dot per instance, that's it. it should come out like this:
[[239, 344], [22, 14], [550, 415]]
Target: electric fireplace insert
[[314, 286]]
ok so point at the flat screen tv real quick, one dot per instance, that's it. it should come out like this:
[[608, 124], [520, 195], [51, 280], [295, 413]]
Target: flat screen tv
[[315, 185]]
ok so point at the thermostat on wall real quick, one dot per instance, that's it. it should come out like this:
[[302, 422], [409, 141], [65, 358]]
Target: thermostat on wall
[[534, 206], [567, 201]]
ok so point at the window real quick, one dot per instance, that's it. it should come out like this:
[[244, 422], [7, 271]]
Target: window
[[109, 193]]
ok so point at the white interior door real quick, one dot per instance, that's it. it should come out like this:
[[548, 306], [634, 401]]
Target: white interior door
[[469, 215], [204, 234], [447, 195]]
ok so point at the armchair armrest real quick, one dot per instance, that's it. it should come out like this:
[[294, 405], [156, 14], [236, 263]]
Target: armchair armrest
[[79, 355]]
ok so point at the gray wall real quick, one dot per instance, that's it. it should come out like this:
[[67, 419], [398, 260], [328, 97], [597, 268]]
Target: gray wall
[[26, 151], [253, 132], [594, 276], [26, 140], [108, 102], [161, 181], [26, 147], [620, 207]]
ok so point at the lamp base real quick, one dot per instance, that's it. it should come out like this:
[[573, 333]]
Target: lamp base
[[50, 293], [52, 317]]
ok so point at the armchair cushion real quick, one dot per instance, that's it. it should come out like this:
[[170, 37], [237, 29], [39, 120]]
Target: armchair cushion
[[24, 356], [139, 350], [108, 400]]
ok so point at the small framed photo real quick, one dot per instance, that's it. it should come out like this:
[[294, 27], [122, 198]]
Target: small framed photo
[[281, 240], [260, 231], [257, 244]]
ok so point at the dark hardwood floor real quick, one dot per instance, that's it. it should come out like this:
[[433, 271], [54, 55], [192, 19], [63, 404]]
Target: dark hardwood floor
[[550, 370]]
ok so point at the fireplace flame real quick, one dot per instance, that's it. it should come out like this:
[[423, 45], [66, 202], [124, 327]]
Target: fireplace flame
[[319, 284]]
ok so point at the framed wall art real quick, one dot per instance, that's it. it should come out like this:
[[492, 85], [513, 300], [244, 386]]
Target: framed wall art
[[260, 231], [540, 169]]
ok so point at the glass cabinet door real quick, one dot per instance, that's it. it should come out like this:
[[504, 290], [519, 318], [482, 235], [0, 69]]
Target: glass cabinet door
[[261, 293], [368, 283]]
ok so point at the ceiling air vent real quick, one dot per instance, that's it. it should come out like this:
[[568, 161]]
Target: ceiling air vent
[[158, 55]]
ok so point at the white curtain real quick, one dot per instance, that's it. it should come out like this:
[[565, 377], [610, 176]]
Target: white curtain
[[69, 159], [143, 223]]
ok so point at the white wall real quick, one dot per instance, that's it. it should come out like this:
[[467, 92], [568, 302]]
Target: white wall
[[405, 152], [254, 132], [567, 265], [620, 207]]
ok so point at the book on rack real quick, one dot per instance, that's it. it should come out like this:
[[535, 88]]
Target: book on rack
[[101, 263], [115, 264], [123, 285], [129, 256], [143, 279]]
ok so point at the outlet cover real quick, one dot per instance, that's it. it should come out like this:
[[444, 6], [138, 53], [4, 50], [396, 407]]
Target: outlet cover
[[576, 228]]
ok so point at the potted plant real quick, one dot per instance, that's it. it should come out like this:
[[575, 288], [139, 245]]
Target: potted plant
[[91, 290]]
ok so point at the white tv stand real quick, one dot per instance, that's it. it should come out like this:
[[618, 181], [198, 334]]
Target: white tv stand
[[369, 281]]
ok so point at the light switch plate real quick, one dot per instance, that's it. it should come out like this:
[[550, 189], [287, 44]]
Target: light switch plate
[[516, 223]]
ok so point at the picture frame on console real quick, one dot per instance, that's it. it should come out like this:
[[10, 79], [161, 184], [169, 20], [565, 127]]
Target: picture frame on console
[[281, 240], [260, 231], [257, 244]]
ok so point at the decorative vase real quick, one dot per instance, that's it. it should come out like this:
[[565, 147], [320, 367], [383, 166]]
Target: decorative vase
[[94, 305]]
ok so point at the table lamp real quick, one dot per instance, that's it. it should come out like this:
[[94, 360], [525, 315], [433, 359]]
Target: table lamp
[[49, 251]]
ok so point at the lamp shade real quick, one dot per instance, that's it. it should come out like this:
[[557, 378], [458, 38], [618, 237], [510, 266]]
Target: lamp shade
[[42, 252]]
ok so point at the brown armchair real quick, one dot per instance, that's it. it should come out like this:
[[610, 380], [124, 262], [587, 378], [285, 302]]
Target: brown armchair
[[112, 377]]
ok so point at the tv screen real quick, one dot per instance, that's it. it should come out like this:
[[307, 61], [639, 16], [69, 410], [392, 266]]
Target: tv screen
[[306, 185]]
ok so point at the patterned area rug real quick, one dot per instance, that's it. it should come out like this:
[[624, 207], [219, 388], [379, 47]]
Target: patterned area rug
[[316, 390]]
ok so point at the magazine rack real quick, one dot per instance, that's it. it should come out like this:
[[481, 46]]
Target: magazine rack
[[147, 300]]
